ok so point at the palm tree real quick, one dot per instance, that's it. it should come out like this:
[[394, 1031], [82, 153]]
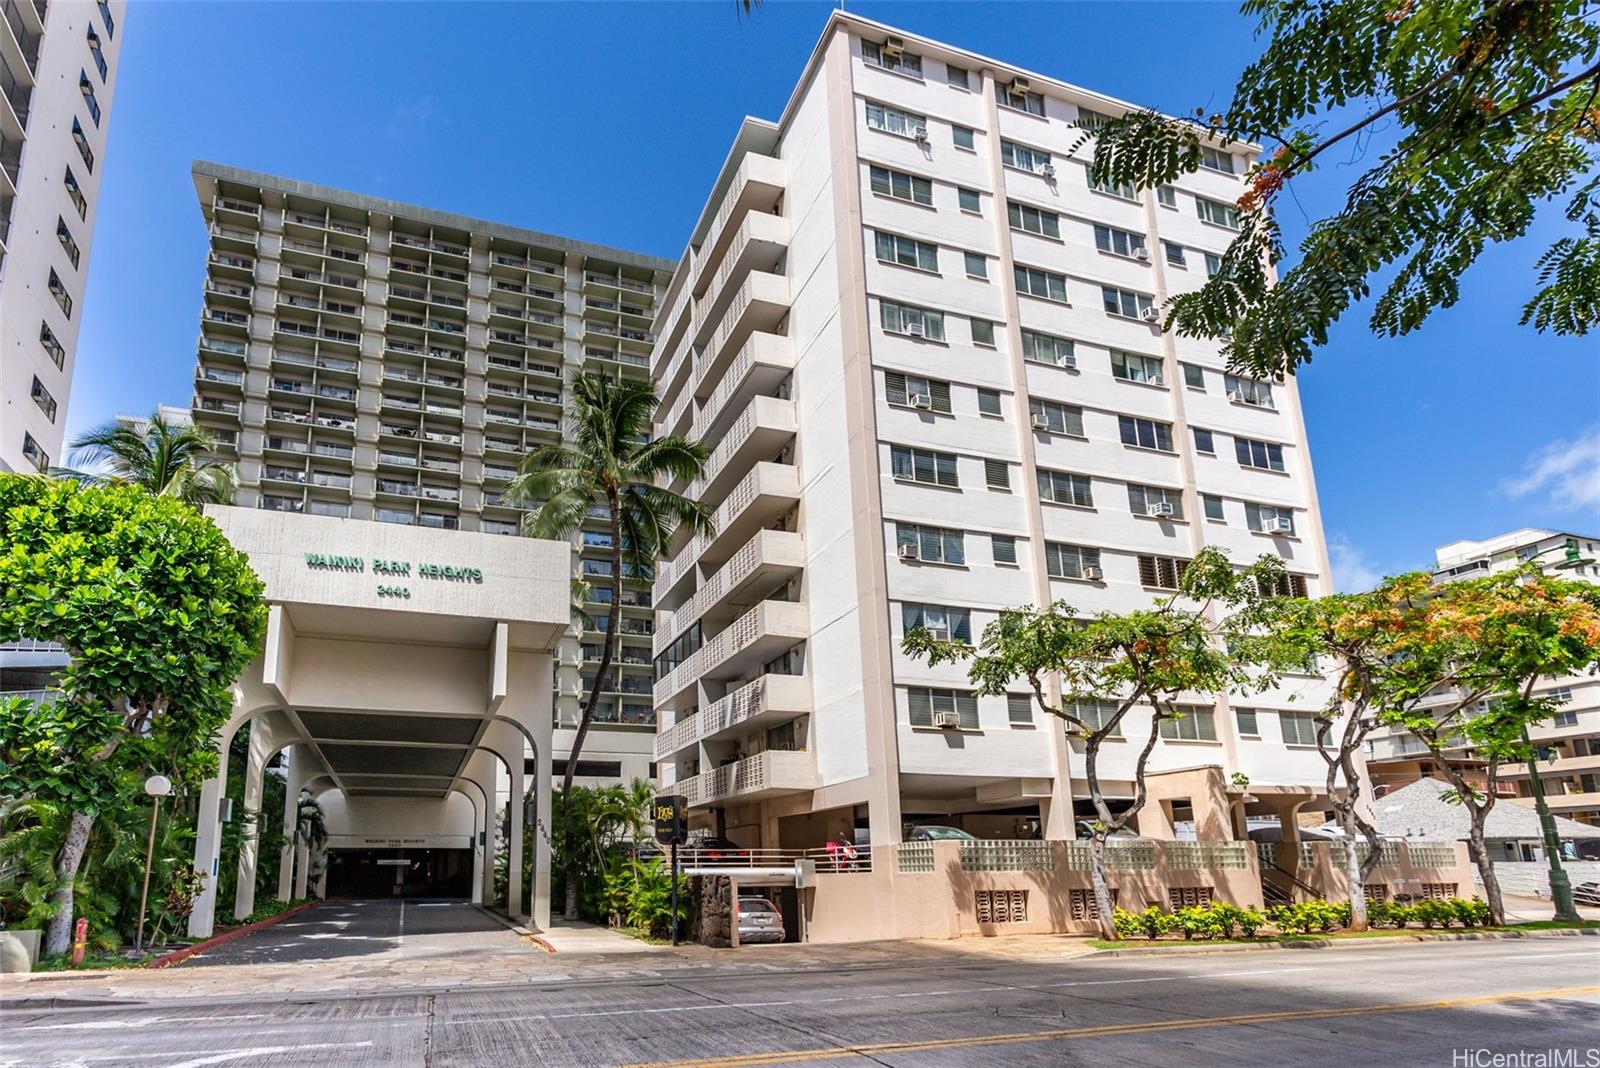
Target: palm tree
[[167, 459], [610, 469]]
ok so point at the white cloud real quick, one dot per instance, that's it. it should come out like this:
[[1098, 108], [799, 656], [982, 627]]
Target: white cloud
[[1566, 472], [1352, 571]]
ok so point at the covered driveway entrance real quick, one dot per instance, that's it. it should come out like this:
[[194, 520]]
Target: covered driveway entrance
[[346, 930], [406, 673]]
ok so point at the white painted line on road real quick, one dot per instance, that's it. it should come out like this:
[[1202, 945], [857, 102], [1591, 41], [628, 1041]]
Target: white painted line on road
[[234, 1055], [1548, 956], [103, 1025]]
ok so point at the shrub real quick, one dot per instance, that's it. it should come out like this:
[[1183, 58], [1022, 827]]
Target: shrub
[[1127, 924], [1434, 913], [1474, 913], [1250, 920]]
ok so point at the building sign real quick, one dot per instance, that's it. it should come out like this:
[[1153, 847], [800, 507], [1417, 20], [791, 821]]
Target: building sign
[[393, 569], [672, 820]]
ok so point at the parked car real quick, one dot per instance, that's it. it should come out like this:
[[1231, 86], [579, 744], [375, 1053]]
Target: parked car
[[759, 920], [714, 849], [935, 832]]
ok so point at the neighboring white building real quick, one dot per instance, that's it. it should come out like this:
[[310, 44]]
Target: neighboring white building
[[921, 348], [1571, 775], [364, 358], [58, 72]]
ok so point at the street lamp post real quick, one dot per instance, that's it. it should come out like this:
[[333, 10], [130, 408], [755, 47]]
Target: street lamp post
[[157, 786]]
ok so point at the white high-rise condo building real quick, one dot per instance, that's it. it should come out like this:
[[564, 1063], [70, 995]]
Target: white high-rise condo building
[[925, 353], [58, 71], [1569, 742], [364, 358]]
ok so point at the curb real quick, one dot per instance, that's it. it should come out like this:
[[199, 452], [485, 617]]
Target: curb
[[520, 930], [179, 955], [1378, 942]]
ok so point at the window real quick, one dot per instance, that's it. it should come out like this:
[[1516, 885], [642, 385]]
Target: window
[[963, 137], [945, 624], [59, 291], [1014, 96], [1124, 303], [47, 338], [1249, 391], [1120, 242], [969, 201], [1064, 488], [105, 13], [1175, 255], [1213, 160], [895, 121], [74, 191], [1071, 561], [1132, 367], [904, 390], [1004, 548], [977, 264], [1565, 718], [1033, 220], [1095, 715], [927, 703], [1019, 709], [1217, 213], [1145, 433], [1024, 158], [1155, 500], [97, 52], [1166, 196], [1197, 725], [1045, 348], [901, 186], [1212, 505], [914, 322], [1120, 190], [1269, 518], [1299, 728], [1265, 455], [997, 474], [1194, 376], [906, 251], [923, 465], [86, 87], [934, 544], [1091, 120], [1213, 264], [1205, 441], [83, 145], [1245, 719], [891, 59], [1045, 285], [1056, 418], [983, 332], [41, 397], [64, 236], [1289, 585], [958, 76], [988, 402], [1560, 693], [34, 455]]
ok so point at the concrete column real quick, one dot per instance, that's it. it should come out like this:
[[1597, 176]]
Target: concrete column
[[291, 818], [514, 897], [541, 838], [302, 869], [244, 895], [491, 812], [208, 842]]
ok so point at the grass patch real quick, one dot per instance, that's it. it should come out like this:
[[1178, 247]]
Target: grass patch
[[62, 962], [643, 934], [1326, 936]]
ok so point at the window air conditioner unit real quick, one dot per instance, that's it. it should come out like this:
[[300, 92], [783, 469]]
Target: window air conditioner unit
[[1141, 254], [1151, 315], [1236, 396], [921, 134], [1018, 87], [947, 721], [909, 552], [1281, 524], [920, 400], [893, 47], [1040, 421], [1093, 574], [1048, 172], [1159, 508], [915, 329]]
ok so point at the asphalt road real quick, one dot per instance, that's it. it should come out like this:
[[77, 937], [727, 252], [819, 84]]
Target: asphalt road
[[1369, 1005], [334, 929]]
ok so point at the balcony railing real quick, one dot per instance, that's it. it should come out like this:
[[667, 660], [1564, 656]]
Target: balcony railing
[[772, 772]]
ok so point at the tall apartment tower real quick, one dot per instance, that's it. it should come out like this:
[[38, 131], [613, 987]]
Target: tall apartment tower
[[58, 71], [382, 361], [1570, 742], [925, 353]]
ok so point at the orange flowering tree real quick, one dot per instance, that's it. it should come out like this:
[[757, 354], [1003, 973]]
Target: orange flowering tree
[[1491, 106]]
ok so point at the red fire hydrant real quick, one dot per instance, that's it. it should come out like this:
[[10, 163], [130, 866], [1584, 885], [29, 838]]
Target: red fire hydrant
[[80, 939]]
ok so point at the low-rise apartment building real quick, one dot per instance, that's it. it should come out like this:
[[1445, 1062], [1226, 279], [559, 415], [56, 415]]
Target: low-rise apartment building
[[926, 355]]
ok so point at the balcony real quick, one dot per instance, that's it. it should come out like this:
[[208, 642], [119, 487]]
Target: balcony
[[760, 304], [1561, 765], [768, 774], [764, 631], [760, 368], [764, 562], [759, 245], [765, 426], [756, 186], [766, 702], [762, 496]]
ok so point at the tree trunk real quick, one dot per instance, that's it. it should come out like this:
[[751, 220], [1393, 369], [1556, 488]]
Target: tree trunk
[[1353, 874], [58, 938], [1102, 889], [607, 649], [570, 909], [1480, 856]]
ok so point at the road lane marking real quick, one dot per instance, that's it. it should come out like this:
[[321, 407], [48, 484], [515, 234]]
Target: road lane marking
[[752, 1060], [100, 1025], [1547, 956]]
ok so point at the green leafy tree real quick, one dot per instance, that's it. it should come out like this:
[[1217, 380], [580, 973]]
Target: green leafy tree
[[158, 613], [1491, 105], [1205, 639], [166, 459]]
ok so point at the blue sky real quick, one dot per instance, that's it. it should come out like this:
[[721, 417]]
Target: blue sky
[[607, 122]]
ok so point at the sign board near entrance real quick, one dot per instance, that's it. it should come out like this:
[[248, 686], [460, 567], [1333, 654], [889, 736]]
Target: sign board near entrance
[[672, 819]]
